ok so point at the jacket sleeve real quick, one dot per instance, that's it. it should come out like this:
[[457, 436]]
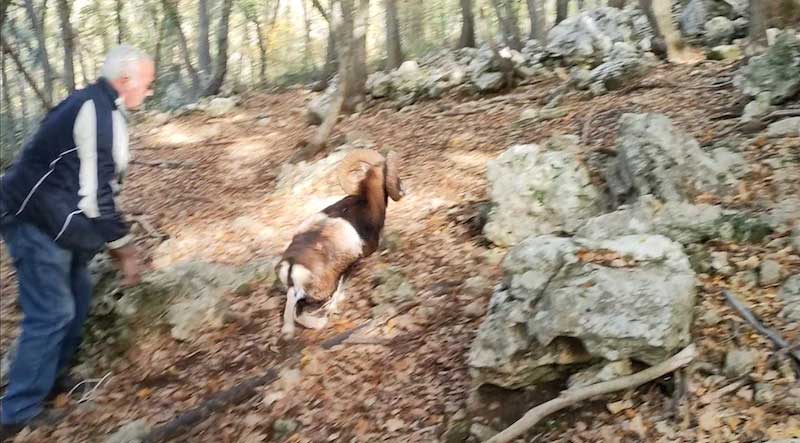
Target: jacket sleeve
[[93, 133]]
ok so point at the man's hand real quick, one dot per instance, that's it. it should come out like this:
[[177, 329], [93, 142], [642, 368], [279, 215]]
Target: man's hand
[[127, 260]]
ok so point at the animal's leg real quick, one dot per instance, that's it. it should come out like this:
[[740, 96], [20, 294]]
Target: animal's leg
[[311, 321], [338, 296], [289, 313]]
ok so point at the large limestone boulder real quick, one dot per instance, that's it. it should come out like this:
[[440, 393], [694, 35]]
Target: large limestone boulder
[[562, 303], [656, 158], [622, 64], [538, 190], [775, 73]]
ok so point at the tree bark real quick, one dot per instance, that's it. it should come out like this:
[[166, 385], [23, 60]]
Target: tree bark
[[537, 18], [758, 23], [394, 51], [467, 38], [64, 12], [11, 131], [308, 59], [562, 10], [46, 101], [508, 23], [356, 91], [203, 45], [659, 14], [619, 4], [171, 12], [221, 62], [120, 23], [3, 11], [47, 70]]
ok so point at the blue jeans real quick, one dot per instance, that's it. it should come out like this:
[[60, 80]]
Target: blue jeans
[[54, 295]]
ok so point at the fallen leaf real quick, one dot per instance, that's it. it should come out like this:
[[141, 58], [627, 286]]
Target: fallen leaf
[[619, 406], [394, 424]]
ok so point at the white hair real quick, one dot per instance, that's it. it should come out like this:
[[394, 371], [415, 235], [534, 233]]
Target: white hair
[[122, 61]]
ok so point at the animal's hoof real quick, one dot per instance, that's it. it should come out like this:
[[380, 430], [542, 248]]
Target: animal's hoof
[[288, 333]]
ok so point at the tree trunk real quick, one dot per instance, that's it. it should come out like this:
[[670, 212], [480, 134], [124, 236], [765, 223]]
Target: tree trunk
[[120, 23], [537, 18], [85, 75], [562, 10], [3, 11], [162, 34], [262, 54], [394, 51], [358, 69], [508, 23], [46, 101], [47, 70], [221, 62], [467, 38], [619, 4], [308, 59], [69, 44], [203, 45], [171, 12], [659, 14], [758, 23], [100, 24], [11, 130]]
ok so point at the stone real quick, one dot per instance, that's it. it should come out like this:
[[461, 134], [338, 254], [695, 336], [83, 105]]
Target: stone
[[132, 432], [457, 432], [739, 363], [528, 114], [477, 286], [720, 263], [719, 31], [600, 373], [693, 18], [788, 127], [757, 107], [790, 296], [796, 239], [379, 85], [392, 287], [765, 393], [777, 72], [284, 427], [482, 432], [554, 310], [220, 106], [622, 64], [725, 53], [769, 273], [489, 82], [538, 191], [656, 158]]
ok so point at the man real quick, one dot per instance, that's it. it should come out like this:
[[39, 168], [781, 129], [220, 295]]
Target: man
[[57, 210]]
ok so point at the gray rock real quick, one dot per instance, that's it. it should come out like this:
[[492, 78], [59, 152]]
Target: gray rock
[[790, 296], [477, 286], [600, 373], [379, 85], [769, 273], [622, 64], [132, 432], [757, 107], [392, 287], [741, 25], [482, 432], [489, 81], [719, 31], [765, 393], [284, 427], [788, 127], [555, 310], [680, 221], [720, 263], [725, 52], [776, 73], [693, 18], [538, 191], [656, 158], [796, 239], [739, 363]]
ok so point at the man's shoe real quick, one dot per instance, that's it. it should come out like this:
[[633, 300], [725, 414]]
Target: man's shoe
[[45, 418]]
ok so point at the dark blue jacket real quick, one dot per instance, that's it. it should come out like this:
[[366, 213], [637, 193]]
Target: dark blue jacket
[[65, 178]]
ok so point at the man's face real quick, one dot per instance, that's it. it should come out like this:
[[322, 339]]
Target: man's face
[[133, 90]]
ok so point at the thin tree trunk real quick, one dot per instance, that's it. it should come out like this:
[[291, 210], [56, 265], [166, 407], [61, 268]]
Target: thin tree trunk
[[659, 14], [203, 45], [508, 23], [758, 23], [11, 130], [162, 34], [330, 66], [467, 38], [172, 13], [46, 102], [44, 58], [394, 51], [307, 57], [221, 64], [562, 10], [262, 54], [537, 18], [64, 12], [358, 69], [619, 4], [23, 106], [82, 61], [101, 25], [3, 11], [120, 23]]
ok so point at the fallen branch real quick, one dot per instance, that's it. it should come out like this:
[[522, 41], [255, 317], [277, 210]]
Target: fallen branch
[[719, 393], [750, 318], [169, 164], [573, 396]]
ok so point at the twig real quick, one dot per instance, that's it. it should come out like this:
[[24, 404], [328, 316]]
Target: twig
[[573, 396], [776, 338], [719, 393]]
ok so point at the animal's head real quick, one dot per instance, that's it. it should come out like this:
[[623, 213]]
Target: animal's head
[[358, 162]]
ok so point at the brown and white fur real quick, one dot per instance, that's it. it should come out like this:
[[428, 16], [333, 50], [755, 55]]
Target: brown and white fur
[[316, 263]]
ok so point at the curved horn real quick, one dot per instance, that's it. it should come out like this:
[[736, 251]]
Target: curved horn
[[394, 187], [352, 167]]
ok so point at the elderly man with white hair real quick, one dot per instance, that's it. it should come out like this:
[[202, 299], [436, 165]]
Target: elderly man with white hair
[[57, 210]]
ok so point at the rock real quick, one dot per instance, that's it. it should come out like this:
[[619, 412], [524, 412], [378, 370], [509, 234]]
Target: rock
[[693, 18], [220, 106], [765, 394], [392, 287], [379, 85], [776, 73], [306, 178], [757, 107], [739, 363], [132, 432], [725, 52], [600, 373], [796, 239], [769, 273], [720, 263], [457, 432], [741, 26], [528, 114], [719, 31], [788, 127], [555, 310], [655, 158], [790, 296], [482, 432], [318, 106], [680, 221], [742, 227], [538, 191], [489, 81], [477, 286], [475, 309], [284, 427], [586, 38]]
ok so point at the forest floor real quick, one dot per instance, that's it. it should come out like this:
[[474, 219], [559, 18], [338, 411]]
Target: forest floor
[[217, 204]]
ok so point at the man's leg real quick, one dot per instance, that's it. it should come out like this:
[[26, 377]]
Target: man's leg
[[48, 307], [81, 286]]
